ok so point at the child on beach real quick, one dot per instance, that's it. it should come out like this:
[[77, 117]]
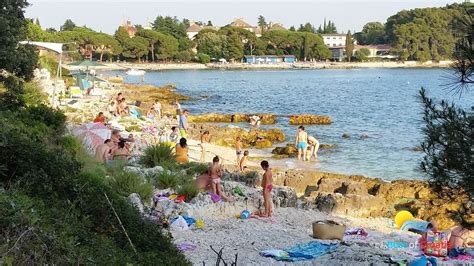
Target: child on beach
[[243, 161], [205, 139], [215, 175], [238, 149], [267, 186]]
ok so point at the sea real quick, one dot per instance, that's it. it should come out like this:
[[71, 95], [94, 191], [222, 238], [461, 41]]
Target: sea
[[378, 108]]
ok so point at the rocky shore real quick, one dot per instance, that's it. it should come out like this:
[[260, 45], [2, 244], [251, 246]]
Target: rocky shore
[[283, 66]]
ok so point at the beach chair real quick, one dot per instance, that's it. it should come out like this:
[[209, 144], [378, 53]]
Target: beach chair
[[75, 92]]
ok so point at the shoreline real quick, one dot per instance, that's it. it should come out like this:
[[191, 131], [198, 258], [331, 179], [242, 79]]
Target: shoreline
[[278, 66]]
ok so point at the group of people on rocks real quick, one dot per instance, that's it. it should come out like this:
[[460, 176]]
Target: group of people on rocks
[[118, 148], [115, 148]]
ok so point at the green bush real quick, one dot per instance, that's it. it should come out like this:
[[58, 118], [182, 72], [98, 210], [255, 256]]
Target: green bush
[[194, 168], [189, 190], [167, 179], [203, 58], [160, 154], [126, 183], [361, 54], [33, 94]]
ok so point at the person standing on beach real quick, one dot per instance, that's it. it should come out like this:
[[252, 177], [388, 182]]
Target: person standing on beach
[[313, 147], [183, 124], [178, 109], [301, 142], [238, 149], [205, 139], [267, 186], [157, 108]]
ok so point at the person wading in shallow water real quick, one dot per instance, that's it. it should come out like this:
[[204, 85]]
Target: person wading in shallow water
[[301, 142]]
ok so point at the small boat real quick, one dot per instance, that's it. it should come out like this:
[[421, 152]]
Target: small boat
[[136, 72]]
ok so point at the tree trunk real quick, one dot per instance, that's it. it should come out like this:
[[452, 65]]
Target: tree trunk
[[153, 52], [101, 56]]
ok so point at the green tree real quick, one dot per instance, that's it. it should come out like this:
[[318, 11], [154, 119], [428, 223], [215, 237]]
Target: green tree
[[134, 48], [68, 25], [262, 23], [203, 58], [17, 59], [292, 28], [372, 33], [306, 28], [449, 133], [212, 44], [209, 23], [168, 47], [361, 54], [424, 33], [152, 37], [171, 26], [349, 46]]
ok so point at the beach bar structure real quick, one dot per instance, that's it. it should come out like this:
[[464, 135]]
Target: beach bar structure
[[269, 59]]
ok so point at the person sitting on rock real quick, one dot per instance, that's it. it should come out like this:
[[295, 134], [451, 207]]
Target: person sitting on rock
[[100, 118], [182, 151], [215, 174], [151, 114], [122, 153]]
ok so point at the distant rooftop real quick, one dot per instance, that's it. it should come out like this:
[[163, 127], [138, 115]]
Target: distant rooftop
[[240, 23]]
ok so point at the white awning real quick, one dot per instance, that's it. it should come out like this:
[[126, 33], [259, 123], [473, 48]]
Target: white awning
[[57, 47]]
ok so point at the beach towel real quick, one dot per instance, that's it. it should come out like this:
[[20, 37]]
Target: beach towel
[[416, 226], [186, 247], [423, 261], [306, 251]]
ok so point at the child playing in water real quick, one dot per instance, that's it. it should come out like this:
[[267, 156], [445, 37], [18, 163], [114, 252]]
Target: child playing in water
[[243, 161], [267, 185], [215, 174]]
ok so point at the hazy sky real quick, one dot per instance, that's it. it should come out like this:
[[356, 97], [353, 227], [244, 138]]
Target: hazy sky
[[106, 15]]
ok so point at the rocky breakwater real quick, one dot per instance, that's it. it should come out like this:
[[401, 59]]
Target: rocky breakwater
[[226, 136], [359, 196], [308, 119], [265, 119]]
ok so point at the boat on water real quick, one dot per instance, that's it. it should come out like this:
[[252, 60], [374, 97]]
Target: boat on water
[[136, 72]]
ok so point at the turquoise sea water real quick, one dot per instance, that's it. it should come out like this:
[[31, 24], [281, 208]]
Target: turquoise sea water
[[379, 103]]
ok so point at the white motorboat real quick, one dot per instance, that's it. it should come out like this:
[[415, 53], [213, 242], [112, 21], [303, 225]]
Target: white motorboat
[[136, 72]]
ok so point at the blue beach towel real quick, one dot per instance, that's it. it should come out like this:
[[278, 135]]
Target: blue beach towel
[[306, 251], [416, 226]]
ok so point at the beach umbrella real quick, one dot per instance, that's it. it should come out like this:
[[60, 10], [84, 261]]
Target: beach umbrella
[[92, 135]]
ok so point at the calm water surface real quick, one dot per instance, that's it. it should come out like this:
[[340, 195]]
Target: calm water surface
[[379, 103]]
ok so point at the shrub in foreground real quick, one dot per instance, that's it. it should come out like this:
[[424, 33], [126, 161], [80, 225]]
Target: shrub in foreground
[[160, 154]]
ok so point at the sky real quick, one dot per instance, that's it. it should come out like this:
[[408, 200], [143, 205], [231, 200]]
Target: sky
[[107, 15]]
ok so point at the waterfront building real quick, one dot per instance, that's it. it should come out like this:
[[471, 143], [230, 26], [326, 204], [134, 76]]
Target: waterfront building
[[269, 59]]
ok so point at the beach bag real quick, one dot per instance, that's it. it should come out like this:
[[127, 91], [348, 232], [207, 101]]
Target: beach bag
[[328, 229], [434, 243]]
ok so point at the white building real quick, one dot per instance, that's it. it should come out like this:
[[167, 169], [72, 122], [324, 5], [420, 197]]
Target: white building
[[333, 40]]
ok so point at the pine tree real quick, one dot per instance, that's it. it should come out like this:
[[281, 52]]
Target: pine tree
[[349, 46]]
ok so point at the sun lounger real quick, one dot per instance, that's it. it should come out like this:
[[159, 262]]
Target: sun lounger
[[75, 92]]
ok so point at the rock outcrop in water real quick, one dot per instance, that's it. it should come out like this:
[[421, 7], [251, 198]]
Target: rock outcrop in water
[[290, 149], [226, 136], [308, 119], [365, 197], [265, 119]]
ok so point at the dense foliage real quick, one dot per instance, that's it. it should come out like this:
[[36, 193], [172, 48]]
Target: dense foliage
[[56, 205], [449, 132]]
